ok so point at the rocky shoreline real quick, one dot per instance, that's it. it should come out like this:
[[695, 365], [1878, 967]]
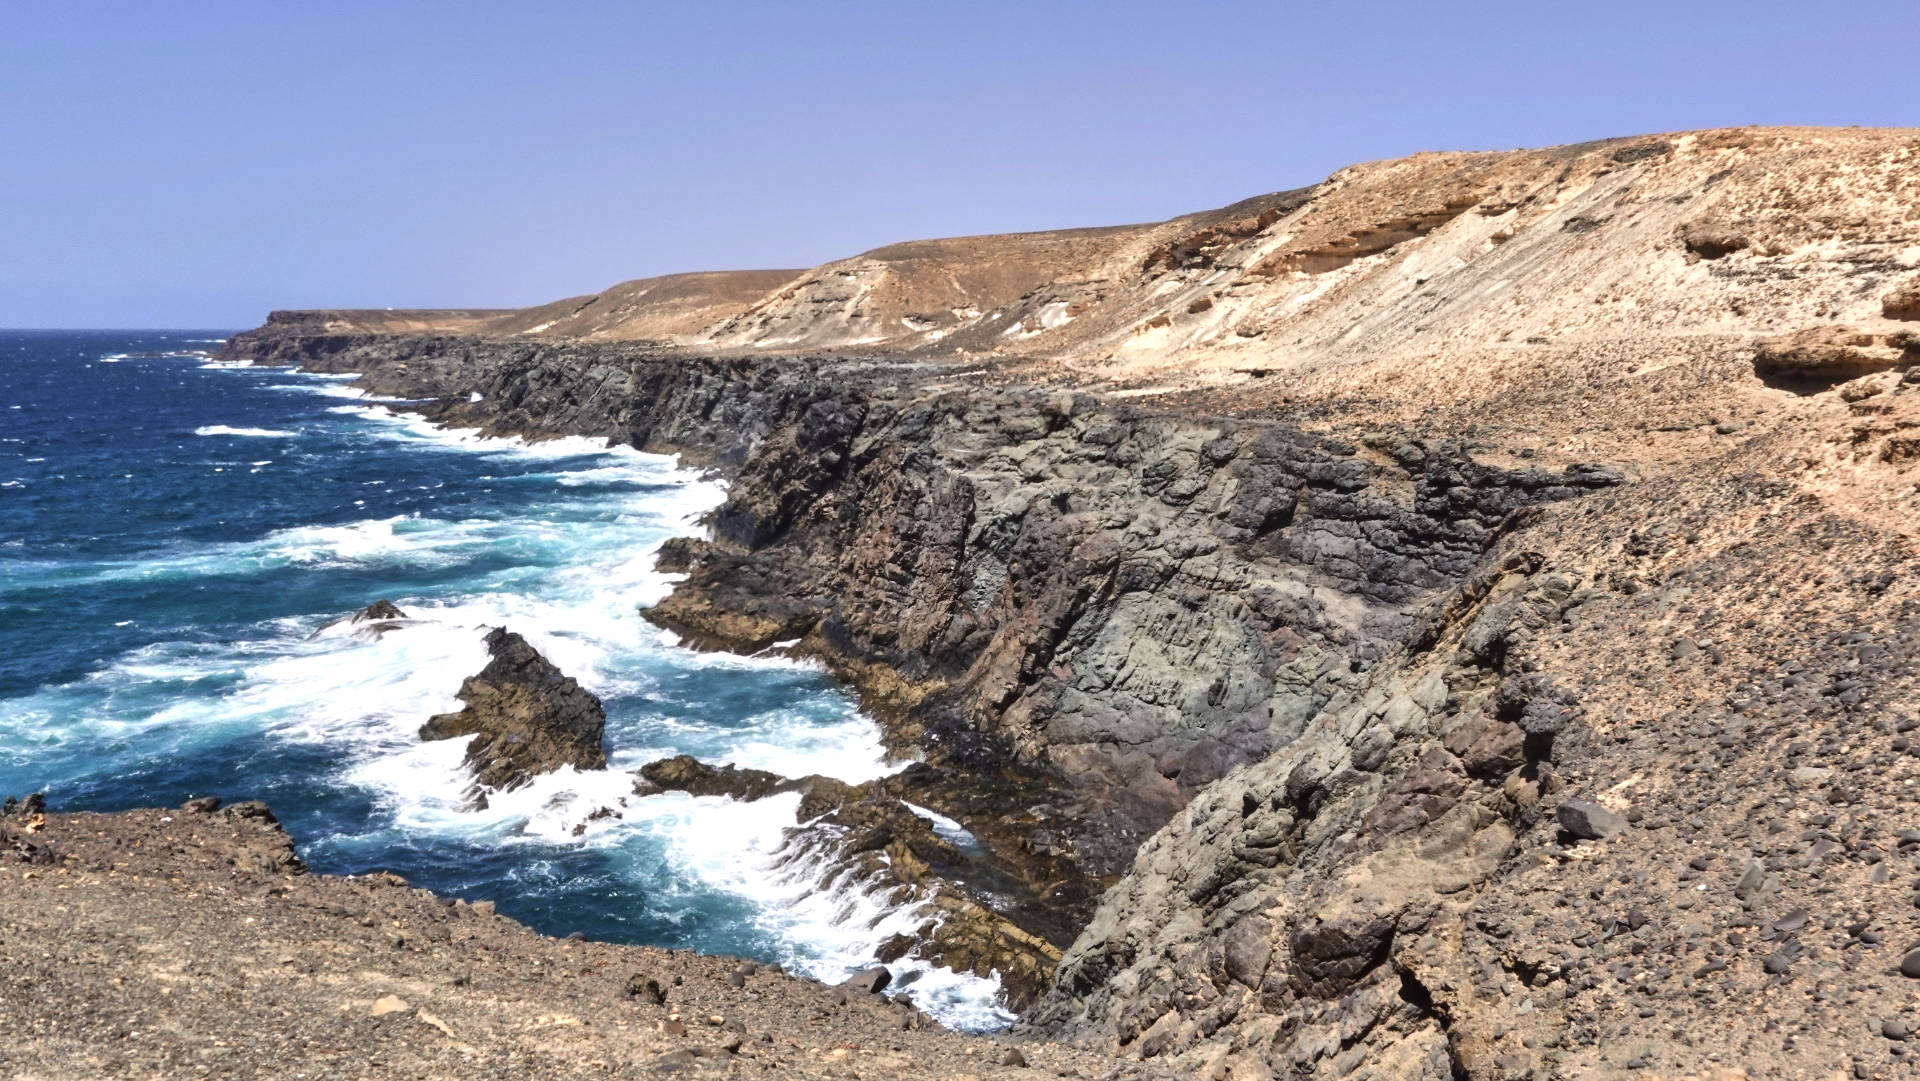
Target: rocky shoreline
[[1301, 747], [1454, 621], [1090, 609], [191, 943]]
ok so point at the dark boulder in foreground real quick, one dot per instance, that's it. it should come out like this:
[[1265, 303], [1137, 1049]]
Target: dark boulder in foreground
[[871, 981], [1589, 821], [531, 717]]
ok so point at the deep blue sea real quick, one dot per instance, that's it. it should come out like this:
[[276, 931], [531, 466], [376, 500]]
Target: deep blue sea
[[175, 530]]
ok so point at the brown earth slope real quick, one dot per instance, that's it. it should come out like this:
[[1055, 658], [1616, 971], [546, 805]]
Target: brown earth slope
[[666, 308]]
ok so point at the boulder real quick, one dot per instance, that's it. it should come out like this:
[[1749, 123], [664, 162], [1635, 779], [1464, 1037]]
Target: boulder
[[529, 717], [1904, 301], [1831, 354], [369, 623], [1713, 239], [1589, 821], [869, 981]]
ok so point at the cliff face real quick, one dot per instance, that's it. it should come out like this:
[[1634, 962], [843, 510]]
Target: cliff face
[[1552, 487]]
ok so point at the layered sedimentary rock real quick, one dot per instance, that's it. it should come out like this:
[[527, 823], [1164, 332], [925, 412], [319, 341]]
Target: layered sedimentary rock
[[526, 715]]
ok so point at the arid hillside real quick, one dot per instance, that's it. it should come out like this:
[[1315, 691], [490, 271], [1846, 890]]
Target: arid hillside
[[666, 308], [1433, 280]]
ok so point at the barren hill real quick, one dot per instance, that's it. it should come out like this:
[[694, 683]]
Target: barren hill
[[1437, 278], [665, 308]]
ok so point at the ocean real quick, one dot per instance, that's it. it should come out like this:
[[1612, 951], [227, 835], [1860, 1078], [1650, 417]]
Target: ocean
[[174, 533]]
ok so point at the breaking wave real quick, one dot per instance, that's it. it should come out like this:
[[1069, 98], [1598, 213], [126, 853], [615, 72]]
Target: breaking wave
[[238, 686]]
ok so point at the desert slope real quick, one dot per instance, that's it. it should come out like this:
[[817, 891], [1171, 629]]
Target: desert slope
[[1441, 276], [666, 308], [1437, 278]]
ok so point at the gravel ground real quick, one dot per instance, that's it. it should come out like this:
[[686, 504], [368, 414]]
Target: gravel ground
[[191, 943]]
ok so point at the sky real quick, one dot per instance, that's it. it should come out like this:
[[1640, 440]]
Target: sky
[[195, 164]]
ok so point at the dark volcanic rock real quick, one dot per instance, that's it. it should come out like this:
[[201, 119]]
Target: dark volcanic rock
[[869, 981], [372, 621], [685, 773], [530, 717], [866, 837], [1588, 821], [378, 610]]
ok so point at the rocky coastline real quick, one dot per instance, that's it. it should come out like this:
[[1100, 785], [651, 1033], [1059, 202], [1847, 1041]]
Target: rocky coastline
[[1453, 621], [1102, 609], [1265, 729], [191, 943]]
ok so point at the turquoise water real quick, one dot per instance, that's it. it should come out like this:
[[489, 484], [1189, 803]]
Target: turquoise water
[[173, 533]]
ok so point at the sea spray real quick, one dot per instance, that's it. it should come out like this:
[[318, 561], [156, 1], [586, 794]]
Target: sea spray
[[163, 602]]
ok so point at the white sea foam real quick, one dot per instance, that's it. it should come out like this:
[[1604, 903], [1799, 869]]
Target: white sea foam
[[223, 365], [330, 390], [255, 433], [946, 827], [574, 597]]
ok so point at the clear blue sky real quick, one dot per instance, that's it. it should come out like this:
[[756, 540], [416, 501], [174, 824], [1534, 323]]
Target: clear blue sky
[[196, 163]]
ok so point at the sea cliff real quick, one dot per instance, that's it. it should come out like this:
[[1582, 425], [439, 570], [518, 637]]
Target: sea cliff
[[1451, 621]]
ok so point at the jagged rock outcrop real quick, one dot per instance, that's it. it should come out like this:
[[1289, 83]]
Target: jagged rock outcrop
[[869, 838], [1130, 603], [1903, 300], [1413, 886], [371, 622], [528, 718], [685, 773], [1823, 356]]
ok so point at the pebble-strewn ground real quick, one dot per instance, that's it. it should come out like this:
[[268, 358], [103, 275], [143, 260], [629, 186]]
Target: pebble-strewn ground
[[183, 944]]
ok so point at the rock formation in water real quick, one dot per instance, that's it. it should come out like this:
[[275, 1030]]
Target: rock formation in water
[[371, 622], [528, 718], [876, 839], [1450, 621]]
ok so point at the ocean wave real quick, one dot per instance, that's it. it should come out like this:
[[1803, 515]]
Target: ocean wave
[[568, 570], [330, 390], [254, 433]]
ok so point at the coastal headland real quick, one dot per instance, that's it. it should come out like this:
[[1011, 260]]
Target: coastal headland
[[1449, 621]]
